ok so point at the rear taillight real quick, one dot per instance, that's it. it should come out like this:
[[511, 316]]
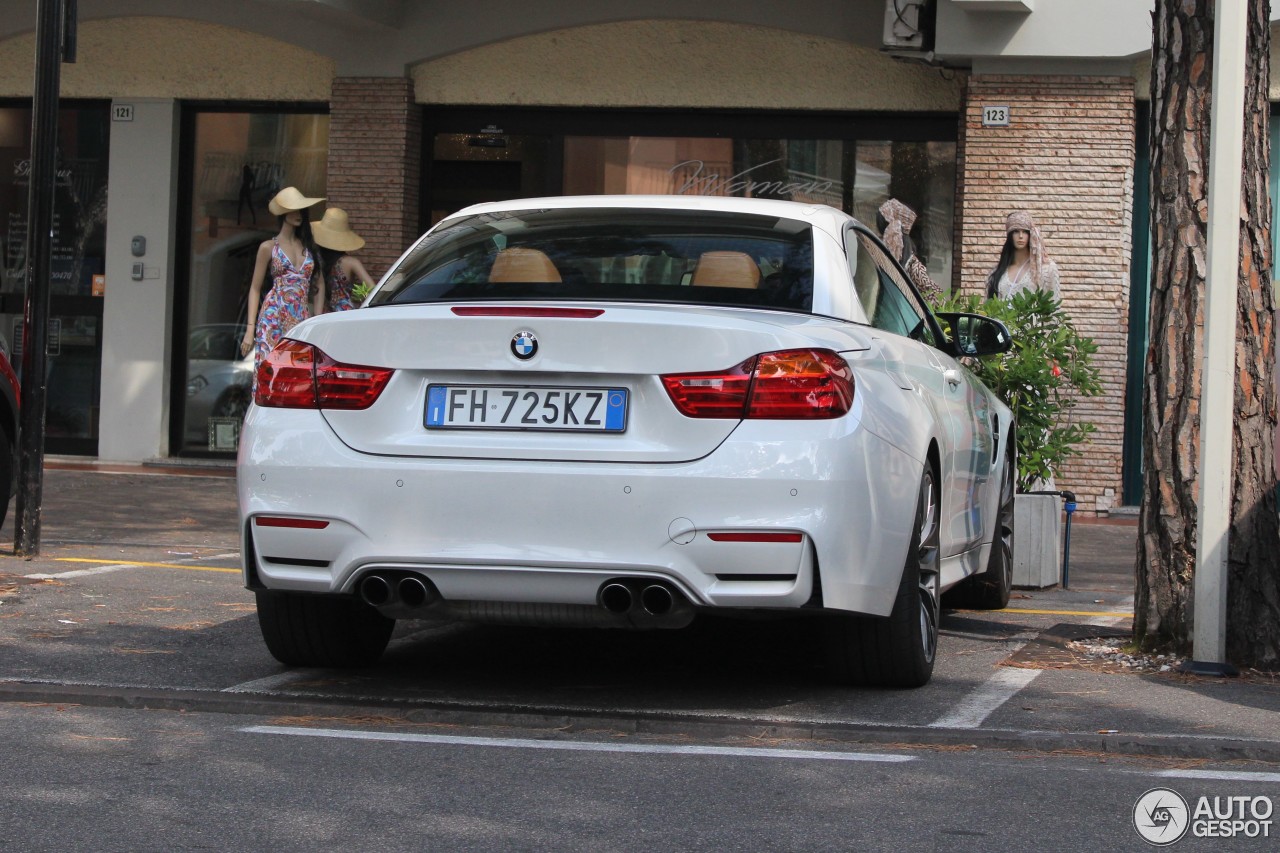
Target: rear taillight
[[785, 385], [721, 394], [295, 375], [801, 383]]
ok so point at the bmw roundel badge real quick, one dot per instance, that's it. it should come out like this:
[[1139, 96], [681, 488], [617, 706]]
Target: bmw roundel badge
[[524, 345]]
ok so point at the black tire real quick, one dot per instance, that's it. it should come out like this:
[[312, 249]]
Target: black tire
[[990, 590], [897, 650], [321, 631]]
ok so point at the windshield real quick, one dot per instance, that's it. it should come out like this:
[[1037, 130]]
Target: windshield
[[612, 254]]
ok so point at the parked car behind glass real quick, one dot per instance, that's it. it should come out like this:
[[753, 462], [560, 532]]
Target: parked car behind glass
[[219, 378]]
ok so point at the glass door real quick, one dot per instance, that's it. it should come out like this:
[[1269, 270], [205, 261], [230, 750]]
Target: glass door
[[470, 168], [233, 163], [78, 283]]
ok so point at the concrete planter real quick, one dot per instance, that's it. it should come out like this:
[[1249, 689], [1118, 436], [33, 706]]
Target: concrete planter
[[1037, 541]]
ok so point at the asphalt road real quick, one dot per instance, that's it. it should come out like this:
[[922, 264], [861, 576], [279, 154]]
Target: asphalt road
[[176, 618], [134, 685], [115, 780]]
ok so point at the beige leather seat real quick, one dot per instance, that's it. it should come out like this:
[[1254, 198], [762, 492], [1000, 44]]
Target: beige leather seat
[[518, 264], [726, 269]]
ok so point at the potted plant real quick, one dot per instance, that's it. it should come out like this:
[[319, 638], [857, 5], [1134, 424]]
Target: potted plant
[[1041, 378]]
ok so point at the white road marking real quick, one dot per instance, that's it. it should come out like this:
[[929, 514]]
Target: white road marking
[[271, 682], [1222, 775], [579, 746], [21, 680], [81, 573], [972, 711]]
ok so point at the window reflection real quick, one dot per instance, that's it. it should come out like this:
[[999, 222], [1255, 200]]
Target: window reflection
[[792, 170], [922, 175], [854, 176], [241, 160]]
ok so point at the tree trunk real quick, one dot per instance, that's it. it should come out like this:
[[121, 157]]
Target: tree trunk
[[1181, 64]]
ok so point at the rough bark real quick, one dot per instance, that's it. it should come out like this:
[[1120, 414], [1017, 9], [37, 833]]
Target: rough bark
[[1182, 58]]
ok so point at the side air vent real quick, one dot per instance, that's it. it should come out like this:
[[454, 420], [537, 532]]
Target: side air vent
[[757, 578], [297, 561]]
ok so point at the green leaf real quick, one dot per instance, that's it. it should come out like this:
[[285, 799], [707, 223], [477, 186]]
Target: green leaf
[[1046, 434]]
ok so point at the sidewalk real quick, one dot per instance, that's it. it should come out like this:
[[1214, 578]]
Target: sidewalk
[[1037, 687]]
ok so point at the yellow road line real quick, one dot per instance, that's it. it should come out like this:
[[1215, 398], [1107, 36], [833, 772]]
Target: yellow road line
[[145, 565], [1068, 612]]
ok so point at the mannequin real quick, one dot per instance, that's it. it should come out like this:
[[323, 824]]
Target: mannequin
[[895, 220], [296, 290], [341, 272], [1023, 264]]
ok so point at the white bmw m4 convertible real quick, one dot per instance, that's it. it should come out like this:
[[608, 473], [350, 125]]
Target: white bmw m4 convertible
[[623, 412]]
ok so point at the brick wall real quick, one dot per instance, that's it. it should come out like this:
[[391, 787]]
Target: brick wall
[[1067, 157], [375, 160]]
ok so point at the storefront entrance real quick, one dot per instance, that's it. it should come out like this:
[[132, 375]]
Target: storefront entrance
[[78, 283], [233, 162], [850, 162]]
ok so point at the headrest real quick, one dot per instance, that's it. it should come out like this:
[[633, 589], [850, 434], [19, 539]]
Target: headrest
[[519, 264], [726, 269]]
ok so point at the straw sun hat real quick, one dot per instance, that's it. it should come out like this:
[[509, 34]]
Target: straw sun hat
[[290, 199], [334, 232]]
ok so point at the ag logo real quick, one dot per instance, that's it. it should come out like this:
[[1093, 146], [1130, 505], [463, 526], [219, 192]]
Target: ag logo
[[524, 345], [1161, 816]]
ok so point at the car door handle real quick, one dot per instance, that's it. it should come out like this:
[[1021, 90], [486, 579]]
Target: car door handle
[[952, 377]]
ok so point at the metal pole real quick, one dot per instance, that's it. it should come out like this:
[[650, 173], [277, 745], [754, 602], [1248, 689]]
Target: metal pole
[[1217, 376], [42, 177]]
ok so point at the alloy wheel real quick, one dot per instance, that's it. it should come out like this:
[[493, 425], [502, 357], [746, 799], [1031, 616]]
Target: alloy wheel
[[927, 560], [1005, 520]]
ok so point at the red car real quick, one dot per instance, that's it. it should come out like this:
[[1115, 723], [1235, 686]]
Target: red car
[[9, 401]]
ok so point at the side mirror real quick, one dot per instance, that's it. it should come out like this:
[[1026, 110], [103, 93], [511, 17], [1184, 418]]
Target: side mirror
[[976, 335]]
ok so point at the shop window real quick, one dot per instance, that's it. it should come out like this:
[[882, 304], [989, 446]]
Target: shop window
[[922, 175], [77, 265], [793, 170], [238, 162], [851, 162]]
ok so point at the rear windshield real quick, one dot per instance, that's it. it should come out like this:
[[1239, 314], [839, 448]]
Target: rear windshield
[[617, 254]]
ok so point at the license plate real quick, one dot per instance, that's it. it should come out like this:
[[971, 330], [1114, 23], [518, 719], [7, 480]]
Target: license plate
[[522, 407]]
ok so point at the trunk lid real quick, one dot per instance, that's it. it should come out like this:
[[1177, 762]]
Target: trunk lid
[[622, 348]]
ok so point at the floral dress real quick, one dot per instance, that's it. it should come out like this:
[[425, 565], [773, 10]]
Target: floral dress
[[288, 302], [339, 289]]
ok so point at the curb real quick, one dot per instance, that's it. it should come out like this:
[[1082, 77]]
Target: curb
[[575, 720]]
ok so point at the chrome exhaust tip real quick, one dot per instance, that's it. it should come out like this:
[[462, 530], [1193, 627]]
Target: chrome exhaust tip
[[657, 600], [375, 591], [615, 597], [415, 592]]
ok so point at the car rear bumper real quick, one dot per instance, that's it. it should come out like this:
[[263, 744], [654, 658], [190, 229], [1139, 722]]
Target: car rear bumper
[[554, 532]]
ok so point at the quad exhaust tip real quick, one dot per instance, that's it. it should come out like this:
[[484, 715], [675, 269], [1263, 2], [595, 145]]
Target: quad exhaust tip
[[639, 598], [407, 590], [615, 597], [656, 600], [414, 592]]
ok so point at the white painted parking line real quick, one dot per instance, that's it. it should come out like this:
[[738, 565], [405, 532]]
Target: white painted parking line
[[21, 680], [579, 746], [1221, 775], [83, 573], [973, 710], [271, 682]]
